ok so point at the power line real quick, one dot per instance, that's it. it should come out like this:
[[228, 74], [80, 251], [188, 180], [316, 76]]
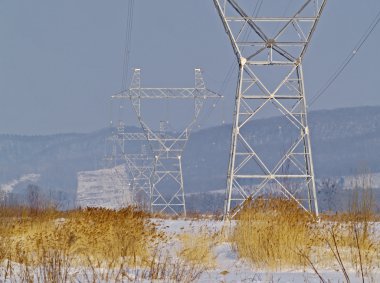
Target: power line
[[126, 56], [128, 42], [348, 59]]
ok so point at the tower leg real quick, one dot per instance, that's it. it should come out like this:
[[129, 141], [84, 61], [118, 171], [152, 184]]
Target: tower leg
[[167, 193]]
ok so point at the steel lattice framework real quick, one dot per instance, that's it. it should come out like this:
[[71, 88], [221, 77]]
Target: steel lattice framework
[[270, 46], [167, 146], [139, 166]]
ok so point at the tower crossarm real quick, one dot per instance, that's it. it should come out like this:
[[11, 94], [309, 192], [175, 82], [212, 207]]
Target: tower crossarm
[[166, 93], [289, 41], [132, 136], [127, 137]]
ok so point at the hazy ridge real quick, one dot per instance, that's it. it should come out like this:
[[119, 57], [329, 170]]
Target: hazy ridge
[[344, 141]]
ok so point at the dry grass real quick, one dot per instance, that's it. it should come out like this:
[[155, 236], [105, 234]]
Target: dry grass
[[270, 234], [352, 238], [90, 245], [166, 268], [198, 248], [99, 234], [95, 245], [278, 234], [46, 246]]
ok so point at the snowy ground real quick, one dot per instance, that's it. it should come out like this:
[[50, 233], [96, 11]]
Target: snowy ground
[[229, 268]]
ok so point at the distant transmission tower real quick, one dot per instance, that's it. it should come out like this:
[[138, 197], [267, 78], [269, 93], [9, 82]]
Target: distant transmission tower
[[270, 50], [141, 169], [139, 166], [167, 189]]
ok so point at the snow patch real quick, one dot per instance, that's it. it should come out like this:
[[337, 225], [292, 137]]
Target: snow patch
[[9, 187], [108, 188]]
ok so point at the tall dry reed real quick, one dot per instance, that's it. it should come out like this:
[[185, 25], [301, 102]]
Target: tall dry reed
[[270, 233], [278, 234]]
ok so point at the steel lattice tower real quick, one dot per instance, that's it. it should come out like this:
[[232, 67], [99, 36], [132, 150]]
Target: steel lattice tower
[[141, 171], [139, 166], [270, 45], [167, 147]]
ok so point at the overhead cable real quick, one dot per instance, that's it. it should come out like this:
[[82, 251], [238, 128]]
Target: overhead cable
[[348, 59], [128, 42]]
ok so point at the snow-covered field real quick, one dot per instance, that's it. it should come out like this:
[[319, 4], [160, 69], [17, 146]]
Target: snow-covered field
[[229, 268]]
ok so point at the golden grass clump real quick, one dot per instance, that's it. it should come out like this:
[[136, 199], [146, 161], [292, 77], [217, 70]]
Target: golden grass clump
[[278, 234], [352, 237], [273, 233], [93, 234], [198, 249], [90, 245]]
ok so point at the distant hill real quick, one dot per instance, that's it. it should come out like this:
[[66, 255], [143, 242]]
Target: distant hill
[[343, 140]]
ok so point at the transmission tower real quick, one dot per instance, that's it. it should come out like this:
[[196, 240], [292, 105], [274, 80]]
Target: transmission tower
[[141, 172], [167, 189], [139, 166], [270, 46]]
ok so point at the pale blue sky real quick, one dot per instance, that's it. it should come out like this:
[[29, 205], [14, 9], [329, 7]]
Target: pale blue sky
[[61, 60]]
